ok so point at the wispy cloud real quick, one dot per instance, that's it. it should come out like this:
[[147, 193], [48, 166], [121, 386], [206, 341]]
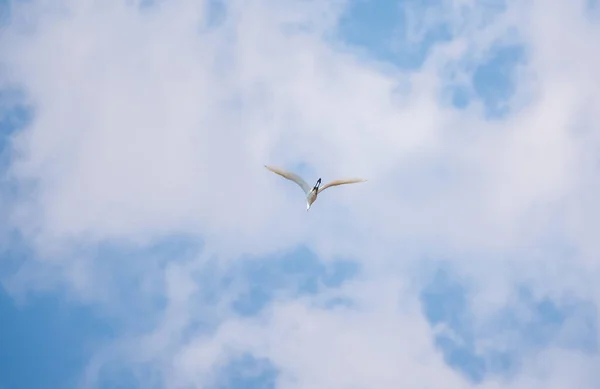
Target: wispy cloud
[[133, 141]]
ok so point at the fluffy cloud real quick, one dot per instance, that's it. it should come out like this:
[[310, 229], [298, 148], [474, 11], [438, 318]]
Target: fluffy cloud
[[154, 120]]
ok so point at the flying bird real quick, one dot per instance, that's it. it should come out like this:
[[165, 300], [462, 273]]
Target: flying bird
[[311, 193]]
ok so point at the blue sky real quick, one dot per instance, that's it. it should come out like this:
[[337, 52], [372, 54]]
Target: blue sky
[[131, 258]]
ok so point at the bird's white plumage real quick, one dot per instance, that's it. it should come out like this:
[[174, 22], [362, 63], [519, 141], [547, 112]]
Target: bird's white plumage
[[311, 194], [292, 177], [340, 182]]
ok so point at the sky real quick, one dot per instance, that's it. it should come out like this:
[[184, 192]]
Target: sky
[[144, 245]]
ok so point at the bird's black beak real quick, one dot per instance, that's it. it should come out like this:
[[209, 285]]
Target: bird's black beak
[[318, 184]]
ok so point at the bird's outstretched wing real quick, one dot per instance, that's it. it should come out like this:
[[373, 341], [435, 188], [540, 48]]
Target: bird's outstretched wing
[[292, 177], [341, 182]]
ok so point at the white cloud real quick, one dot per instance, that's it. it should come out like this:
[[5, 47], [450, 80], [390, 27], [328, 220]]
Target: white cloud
[[145, 126]]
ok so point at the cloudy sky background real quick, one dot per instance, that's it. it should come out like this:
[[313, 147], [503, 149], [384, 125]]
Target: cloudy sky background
[[144, 245]]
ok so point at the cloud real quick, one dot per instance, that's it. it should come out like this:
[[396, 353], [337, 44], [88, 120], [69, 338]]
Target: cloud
[[137, 184]]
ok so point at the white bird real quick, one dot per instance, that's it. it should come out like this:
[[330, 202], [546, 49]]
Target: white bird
[[311, 193]]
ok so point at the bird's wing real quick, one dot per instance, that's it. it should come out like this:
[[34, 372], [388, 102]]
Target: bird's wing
[[291, 176], [341, 182]]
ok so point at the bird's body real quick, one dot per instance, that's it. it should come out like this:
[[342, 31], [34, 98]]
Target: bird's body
[[311, 193], [311, 197]]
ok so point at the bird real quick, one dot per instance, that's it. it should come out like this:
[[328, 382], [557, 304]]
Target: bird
[[311, 193]]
